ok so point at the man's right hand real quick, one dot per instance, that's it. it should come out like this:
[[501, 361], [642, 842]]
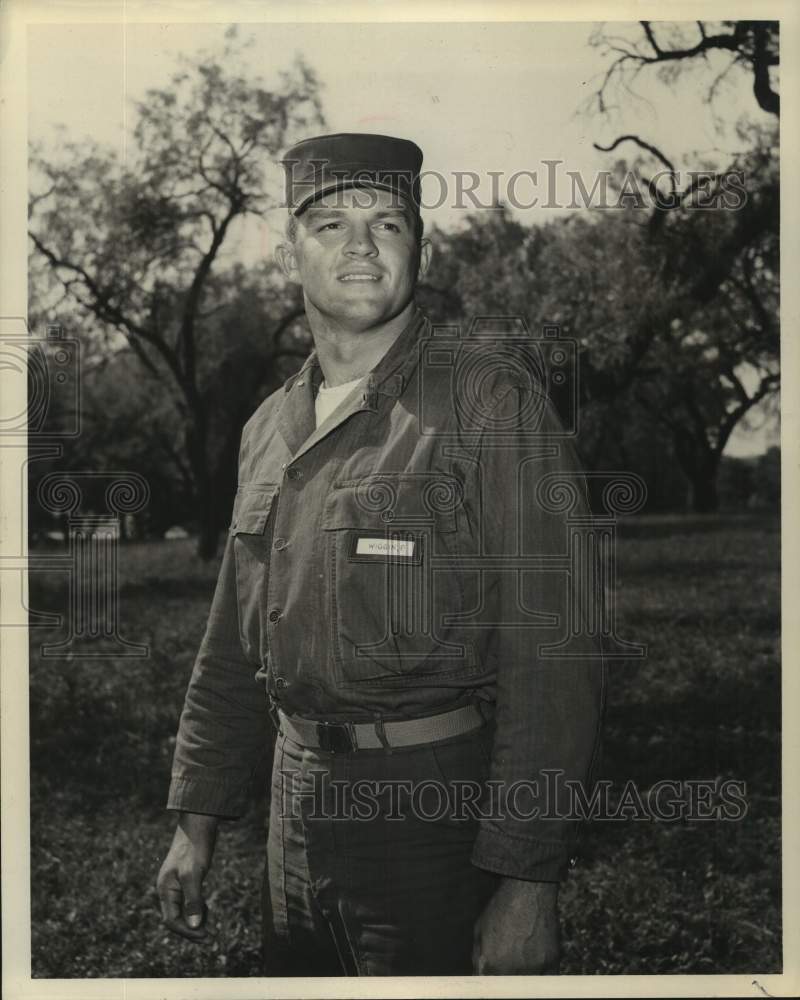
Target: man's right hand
[[180, 881]]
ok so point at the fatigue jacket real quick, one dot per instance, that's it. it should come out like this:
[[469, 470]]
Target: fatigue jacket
[[398, 561]]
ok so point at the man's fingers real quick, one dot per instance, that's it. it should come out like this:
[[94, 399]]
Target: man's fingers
[[170, 898], [195, 913], [194, 907], [180, 927], [182, 914], [173, 921]]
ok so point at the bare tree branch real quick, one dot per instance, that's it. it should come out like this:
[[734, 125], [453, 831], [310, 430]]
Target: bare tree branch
[[654, 150], [749, 41]]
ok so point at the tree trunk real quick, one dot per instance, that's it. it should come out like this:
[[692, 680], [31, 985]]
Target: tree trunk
[[700, 464], [705, 499], [208, 524], [208, 534], [205, 495]]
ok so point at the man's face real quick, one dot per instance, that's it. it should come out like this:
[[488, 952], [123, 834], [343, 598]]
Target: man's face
[[356, 256]]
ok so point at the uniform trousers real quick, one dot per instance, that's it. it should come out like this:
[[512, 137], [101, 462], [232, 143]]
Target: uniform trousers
[[368, 859]]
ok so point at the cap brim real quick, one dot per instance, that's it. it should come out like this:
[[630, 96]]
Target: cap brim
[[344, 185]]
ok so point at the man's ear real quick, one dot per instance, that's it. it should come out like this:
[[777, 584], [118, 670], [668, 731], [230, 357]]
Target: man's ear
[[425, 254], [286, 257]]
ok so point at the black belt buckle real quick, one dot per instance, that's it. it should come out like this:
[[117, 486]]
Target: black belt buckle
[[335, 737]]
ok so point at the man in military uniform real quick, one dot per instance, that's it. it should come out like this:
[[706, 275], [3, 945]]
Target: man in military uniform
[[374, 598]]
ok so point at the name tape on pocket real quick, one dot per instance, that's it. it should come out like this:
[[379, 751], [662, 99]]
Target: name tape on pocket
[[395, 547]]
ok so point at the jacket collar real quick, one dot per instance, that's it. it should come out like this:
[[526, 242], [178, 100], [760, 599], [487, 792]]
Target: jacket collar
[[297, 418], [391, 374]]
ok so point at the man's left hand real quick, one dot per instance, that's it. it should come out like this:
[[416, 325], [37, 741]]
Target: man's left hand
[[518, 932]]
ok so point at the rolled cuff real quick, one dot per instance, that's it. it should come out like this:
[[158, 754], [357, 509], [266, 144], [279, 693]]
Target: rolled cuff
[[225, 797], [520, 857]]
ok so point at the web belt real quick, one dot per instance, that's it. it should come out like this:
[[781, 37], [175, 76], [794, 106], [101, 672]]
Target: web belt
[[344, 737]]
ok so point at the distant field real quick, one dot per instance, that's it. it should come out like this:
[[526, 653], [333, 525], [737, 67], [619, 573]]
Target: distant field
[[647, 897]]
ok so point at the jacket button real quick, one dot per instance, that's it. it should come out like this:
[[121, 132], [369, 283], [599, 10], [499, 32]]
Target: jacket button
[[387, 515], [281, 682], [279, 543], [274, 615]]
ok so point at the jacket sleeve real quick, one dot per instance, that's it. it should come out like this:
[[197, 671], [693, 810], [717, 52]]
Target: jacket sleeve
[[548, 708], [224, 726]]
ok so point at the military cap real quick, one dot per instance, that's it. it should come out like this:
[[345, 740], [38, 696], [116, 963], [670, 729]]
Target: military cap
[[325, 163]]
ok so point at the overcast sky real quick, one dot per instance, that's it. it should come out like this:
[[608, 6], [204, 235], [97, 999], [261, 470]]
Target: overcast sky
[[500, 96], [475, 96]]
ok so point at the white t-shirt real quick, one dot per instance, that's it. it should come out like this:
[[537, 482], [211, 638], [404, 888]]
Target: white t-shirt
[[329, 399]]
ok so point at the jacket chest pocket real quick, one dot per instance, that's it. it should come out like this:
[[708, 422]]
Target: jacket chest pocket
[[392, 553], [251, 530]]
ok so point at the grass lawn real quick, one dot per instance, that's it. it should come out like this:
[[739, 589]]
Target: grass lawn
[[647, 897]]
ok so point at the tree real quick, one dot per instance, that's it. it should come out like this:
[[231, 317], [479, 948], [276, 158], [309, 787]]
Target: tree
[[676, 325], [719, 312], [711, 367], [671, 47], [133, 245], [247, 347]]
